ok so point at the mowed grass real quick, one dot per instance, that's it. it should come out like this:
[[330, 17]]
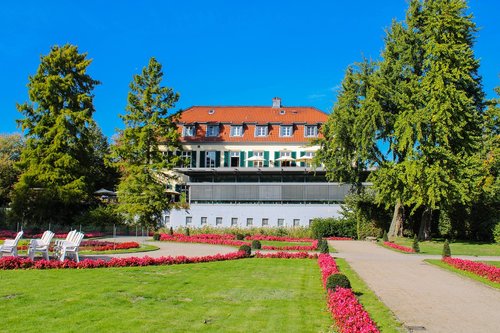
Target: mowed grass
[[457, 248], [469, 275], [248, 295], [379, 312]]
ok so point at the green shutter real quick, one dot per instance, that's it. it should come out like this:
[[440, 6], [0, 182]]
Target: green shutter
[[193, 159], [266, 159], [302, 154], [217, 159], [250, 154], [202, 158], [242, 159], [226, 159], [294, 155], [276, 156]]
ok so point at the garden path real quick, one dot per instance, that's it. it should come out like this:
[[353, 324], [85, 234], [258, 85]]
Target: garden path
[[423, 295]]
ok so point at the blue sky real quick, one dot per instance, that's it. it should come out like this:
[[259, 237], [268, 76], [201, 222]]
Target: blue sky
[[213, 52]]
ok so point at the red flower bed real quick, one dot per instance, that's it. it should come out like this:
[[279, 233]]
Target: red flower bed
[[349, 315], [26, 263], [6, 234], [203, 238], [278, 238], [338, 238], [114, 246], [399, 247], [489, 272], [287, 255], [312, 247]]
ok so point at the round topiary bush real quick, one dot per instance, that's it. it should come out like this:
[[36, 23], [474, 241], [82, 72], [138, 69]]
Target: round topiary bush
[[323, 246], [446, 249], [247, 249], [256, 245], [337, 280], [240, 236], [156, 236]]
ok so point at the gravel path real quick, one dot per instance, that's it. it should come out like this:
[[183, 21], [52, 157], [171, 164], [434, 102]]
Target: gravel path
[[423, 295]]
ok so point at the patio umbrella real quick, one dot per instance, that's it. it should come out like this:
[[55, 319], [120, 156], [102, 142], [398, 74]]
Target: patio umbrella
[[256, 158], [285, 158], [103, 191]]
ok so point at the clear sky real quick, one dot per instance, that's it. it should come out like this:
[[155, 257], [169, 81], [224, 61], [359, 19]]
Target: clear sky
[[213, 52]]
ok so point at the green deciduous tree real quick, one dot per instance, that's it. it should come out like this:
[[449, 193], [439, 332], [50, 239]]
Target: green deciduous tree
[[10, 152], [144, 166], [57, 161]]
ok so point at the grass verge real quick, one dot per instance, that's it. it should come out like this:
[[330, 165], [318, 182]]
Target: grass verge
[[258, 295], [379, 312], [457, 247], [469, 275]]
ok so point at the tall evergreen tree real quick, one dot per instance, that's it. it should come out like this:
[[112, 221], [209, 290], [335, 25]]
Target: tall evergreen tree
[[56, 160], [144, 166]]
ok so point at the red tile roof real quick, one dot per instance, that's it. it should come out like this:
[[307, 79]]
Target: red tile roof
[[249, 116]]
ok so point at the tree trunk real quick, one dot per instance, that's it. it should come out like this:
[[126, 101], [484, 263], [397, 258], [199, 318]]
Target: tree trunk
[[396, 228], [425, 224]]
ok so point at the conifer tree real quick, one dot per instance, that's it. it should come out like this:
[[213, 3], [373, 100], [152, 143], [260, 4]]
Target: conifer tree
[[56, 161], [148, 124]]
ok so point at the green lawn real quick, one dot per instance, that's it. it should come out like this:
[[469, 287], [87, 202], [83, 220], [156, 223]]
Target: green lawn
[[381, 314], [463, 248], [470, 275], [248, 295]]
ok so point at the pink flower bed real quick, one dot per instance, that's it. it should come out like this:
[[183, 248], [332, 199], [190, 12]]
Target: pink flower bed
[[277, 238], [108, 246], [489, 272], [287, 255], [26, 263], [399, 247], [349, 315], [229, 240], [312, 247], [6, 234]]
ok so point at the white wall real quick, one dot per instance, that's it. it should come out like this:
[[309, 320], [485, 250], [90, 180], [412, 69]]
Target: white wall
[[288, 212]]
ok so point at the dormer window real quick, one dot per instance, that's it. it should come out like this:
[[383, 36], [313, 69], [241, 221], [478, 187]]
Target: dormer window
[[261, 130], [212, 130], [286, 130], [311, 131], [212, 111], [189, 130], [282, 112], [236, 130]]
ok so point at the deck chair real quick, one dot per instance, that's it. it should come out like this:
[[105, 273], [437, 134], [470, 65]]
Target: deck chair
[[59, 242], [10, 245], [41, 245], [71, 248]]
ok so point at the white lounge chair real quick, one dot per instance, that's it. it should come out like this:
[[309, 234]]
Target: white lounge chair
[[71, 247], [59, 242], [41, 245], [10, 245]]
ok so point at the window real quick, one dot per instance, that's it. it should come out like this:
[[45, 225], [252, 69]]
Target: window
[[218, 220], [212, 130], [235, 159], [296, 222], [249, 222], [234, 221], [189, 220], [186, 159], [259, 159], [236, 130], [311, 131], [265, 222], [210, 159], [166, 220], [286, 158], [286, 130], [281, 222], [261, 130], [203, 220], [189, 130]]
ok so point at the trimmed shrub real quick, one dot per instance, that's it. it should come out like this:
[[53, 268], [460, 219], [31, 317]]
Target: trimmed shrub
[[337, 280], [496, 233], [171, 231], [247, 249], [256, 245], [156, 236], [333, 227], [415, 245], [187, 231], [323, 246], [446, 249], [385, 238], [240, 237]]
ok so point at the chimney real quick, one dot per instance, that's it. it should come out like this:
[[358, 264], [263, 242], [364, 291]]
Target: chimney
[[276, 102]]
